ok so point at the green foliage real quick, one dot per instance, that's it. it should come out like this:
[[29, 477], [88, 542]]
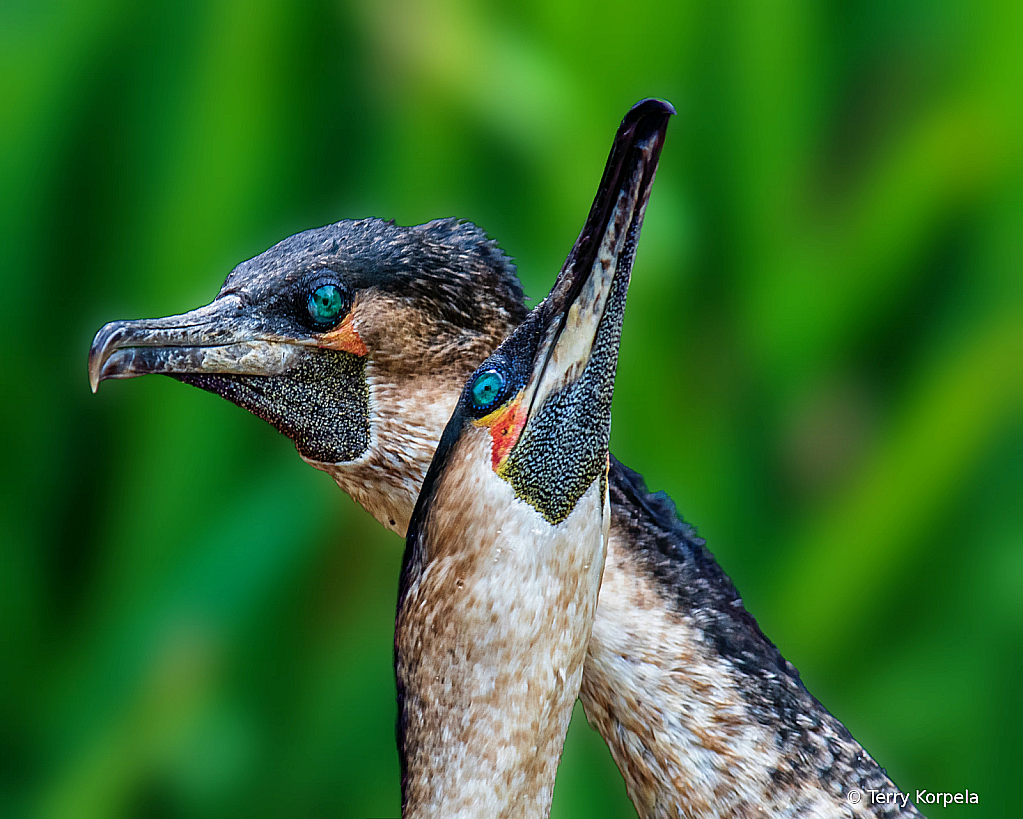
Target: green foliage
[[822, 364]]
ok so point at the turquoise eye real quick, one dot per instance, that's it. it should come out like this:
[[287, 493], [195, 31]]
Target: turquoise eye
[[326, 304], [487, 389]]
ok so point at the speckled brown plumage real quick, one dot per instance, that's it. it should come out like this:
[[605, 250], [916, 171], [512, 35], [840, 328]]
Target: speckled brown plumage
[[490, 640], [703, 715]]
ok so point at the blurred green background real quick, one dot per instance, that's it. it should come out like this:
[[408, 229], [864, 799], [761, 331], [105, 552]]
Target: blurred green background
[[822, 364]]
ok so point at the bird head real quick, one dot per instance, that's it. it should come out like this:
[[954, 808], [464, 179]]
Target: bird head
[[352, 339]]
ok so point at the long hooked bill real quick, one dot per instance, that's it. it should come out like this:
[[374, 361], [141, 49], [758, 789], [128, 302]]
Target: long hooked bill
[[215, 338], [581, 319]]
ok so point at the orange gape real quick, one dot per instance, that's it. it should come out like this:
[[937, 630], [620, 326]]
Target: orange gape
[[344, 338], [505, 425]]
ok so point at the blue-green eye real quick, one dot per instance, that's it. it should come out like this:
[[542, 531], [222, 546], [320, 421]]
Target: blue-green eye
[[487, 389], [326, 305]]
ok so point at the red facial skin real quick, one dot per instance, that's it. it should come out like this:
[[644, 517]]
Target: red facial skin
[[505, 426], [344, 337]]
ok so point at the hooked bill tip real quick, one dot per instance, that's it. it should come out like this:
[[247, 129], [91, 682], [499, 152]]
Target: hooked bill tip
[[99, 352], [649, 105], [95, 365], [651, 112]]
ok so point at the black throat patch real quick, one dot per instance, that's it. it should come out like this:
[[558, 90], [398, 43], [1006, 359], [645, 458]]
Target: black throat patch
[[563, 448], [322, 404]]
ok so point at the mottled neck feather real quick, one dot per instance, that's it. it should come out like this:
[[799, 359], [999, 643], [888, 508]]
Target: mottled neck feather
[[495, 612], [702, 714], [408, 413], [410, 403]]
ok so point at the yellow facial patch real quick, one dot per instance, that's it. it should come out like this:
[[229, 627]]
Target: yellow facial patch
[[505, 425], [344, 337]]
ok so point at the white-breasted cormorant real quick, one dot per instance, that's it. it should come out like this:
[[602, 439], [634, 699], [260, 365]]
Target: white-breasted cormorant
[[506, 544]]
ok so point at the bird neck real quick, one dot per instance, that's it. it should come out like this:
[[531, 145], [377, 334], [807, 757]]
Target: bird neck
[[490, 641], [409, 406], [407, 417], [698, 707]]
